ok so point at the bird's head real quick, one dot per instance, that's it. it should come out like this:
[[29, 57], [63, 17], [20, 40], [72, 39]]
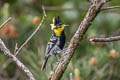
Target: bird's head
[[57, 25]]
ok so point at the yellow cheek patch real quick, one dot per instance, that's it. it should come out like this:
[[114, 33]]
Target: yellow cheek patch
[[59, 30]]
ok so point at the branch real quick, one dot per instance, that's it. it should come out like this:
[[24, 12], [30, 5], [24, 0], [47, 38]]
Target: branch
[[19, 64], [6, 21], [56, 8], [78, 36], [109, 39], [30, 37], [108, 8]]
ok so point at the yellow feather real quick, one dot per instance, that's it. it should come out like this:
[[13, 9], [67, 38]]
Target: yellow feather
[[59, 30]]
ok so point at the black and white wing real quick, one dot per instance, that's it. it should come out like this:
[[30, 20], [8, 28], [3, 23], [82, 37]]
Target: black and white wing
[[51, 44]]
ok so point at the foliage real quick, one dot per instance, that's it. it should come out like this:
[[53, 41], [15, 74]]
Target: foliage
[[89, 59]]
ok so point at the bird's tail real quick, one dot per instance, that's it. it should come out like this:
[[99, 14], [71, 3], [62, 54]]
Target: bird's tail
[[44, 63]]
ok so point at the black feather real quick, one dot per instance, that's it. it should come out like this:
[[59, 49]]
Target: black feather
[[44, 63], [58, 21]]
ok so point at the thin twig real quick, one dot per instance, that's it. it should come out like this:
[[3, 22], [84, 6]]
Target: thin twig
[[56, 8], [101, 71], [111, 72], [19, 63], [16, 48], [36, 30], [108, 8], [105, 67], [109, 39], [6, 21], [71, 76]]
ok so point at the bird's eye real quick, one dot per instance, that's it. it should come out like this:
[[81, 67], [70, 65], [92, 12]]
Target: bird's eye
[[58, 26]]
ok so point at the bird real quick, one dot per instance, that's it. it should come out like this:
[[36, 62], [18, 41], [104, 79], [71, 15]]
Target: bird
[[57, 40]]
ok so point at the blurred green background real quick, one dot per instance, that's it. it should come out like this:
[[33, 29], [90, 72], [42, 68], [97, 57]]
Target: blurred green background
[[97, 61]]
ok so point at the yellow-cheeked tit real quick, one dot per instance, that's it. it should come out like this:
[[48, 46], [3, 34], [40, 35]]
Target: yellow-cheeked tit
[[57, 40]]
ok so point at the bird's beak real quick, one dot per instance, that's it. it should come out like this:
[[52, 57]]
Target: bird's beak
[[66, 25]]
